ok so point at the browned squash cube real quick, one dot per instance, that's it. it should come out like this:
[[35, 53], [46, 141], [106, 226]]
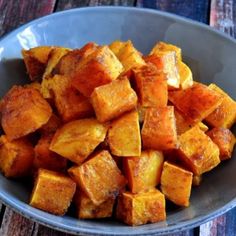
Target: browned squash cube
[[197, 179], [225, 114], [111, 100], [24, 110], [99, 177], [143, 172], [196, 102], [186, 77], [168, 65], [68, 62], [159, 129], [176, 184], [141, 208], [86, 209], [198, 151], [128, 55], [224, 139], [77, 139], [51, 126], [151, 86], [124, 135], [165, 47], [16, 157], [53, 192], [36, 60], [69, 102], [46, 159], [101, 67]]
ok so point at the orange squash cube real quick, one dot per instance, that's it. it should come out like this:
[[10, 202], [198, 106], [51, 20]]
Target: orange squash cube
[[36, 60], [112, 100], [176, 184], [196, 102], [124, 135], [99, 177], [69, 102], [53, 192], [77, 139], [16, 157], [186, 77], [86, 209], [151, 86], [141, 208], [159, 129], [101, 67], [224, 139], [23, 106], [225, 114], [143, 172], [46, 159], [128, 55], [198, 151]]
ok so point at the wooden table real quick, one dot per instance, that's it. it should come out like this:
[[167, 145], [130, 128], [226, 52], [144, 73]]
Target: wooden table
[[220, 14]]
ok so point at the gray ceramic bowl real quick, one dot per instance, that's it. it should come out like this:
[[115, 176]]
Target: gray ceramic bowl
[[210, 54]]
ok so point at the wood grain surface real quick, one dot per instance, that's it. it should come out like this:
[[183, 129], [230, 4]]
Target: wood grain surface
[[220, 14]]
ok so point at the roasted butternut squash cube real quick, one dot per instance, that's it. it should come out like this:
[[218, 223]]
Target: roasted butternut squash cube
[[54, 57], [169, 65], [23, 106], [186, 76], [51, 126], [77, 139], [16, 157], [46, 159], [162, 46], [68, 62], [225, 114], [86, 209], [197, 179], [112, 100], [183, 123], [36, 60], [224, 139], [159, 129], [70, 104], [53, 192], [129, 56], [176, 184], [101, 67], [151, 86], [143, 172], [198, 151], [141, 208], [196, 102], [124, 135], [99, 177]]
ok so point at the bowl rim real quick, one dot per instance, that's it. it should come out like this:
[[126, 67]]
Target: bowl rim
[[29, 212]]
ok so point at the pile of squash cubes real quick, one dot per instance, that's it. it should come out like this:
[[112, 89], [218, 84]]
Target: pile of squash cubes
[[113, 131]]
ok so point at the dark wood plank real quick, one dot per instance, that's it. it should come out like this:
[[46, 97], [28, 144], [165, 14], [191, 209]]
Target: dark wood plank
[[41, 230], [223, 16], [14, 13], [193, 9], [15, 224], [68, 4]]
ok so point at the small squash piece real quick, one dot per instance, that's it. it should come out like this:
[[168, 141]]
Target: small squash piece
[[99, 177], [53, 192], [141, 208], [224, 139], [176, 184], [77, 139], [143, 172], [186, 77], [124, 135], [159, 129], [197, 179]]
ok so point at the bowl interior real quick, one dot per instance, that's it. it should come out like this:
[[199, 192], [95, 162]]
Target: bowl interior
[[211, 57]]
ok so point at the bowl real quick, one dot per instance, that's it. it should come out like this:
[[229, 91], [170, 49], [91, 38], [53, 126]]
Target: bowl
[[211, 56]]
